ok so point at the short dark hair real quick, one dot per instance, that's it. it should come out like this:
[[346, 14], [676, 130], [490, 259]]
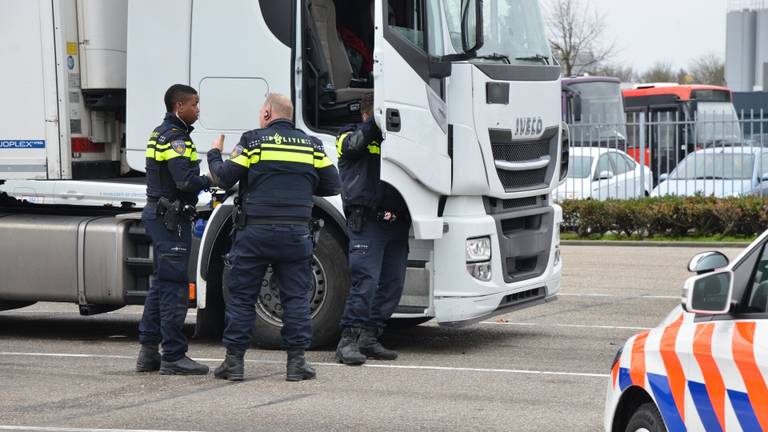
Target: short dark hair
[[366, 104], [177, 93]]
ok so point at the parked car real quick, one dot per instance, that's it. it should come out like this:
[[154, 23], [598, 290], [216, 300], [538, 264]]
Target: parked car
[[705, 366], [603, 173], [721, 171]]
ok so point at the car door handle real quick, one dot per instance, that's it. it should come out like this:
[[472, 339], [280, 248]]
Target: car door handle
[[72, 194], [393, 120]]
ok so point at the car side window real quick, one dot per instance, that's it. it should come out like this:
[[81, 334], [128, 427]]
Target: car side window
[[603, 164], [755, 298], [621, 163], [762, 167]]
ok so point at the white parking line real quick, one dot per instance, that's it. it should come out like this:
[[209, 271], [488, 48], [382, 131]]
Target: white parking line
[[66, 429], [605, 327], [377, 366], [665, 297]]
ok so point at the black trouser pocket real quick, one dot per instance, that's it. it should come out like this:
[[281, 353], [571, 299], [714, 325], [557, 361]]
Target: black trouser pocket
[[172, 262]]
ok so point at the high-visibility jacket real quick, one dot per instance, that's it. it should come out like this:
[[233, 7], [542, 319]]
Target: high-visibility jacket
[[173, 168], [359, 150], [279, 169]]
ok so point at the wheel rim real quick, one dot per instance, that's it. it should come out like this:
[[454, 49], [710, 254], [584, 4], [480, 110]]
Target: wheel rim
[[268, 305]]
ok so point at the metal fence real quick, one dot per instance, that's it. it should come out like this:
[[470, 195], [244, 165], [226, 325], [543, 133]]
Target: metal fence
[[662, 153]]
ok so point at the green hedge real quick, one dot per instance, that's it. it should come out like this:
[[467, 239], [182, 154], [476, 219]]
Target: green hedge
[[696, 216]]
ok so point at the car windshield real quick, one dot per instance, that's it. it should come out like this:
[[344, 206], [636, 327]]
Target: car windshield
[[717, 123], [513, 31], [579, 166], [602, 112], [715, 166]]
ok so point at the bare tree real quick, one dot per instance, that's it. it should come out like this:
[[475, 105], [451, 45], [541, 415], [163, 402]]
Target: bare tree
[[576, 33], [659, 72], [708, 69], [624, 73]]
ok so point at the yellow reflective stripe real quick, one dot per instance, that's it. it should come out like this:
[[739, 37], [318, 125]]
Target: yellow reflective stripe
[[322, 162], [274, 155], [150, 153], [251, 152], [374, 149], [287, 147], [254, 159], [151, 142], [193, 157], [340, 143], [242, 160], [163, 146]]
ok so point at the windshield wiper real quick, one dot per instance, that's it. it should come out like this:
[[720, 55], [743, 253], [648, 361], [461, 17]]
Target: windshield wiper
[[494, 56], [536, 57]]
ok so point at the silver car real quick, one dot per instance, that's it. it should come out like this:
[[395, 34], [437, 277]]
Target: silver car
[[720, 172]]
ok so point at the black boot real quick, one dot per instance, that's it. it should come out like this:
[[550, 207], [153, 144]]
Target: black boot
[[232, 367], [183, 366], [371, 347], [297, 368], [149, 359], [347, 351]]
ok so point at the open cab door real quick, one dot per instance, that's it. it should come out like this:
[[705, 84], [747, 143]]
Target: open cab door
[[410, 109]]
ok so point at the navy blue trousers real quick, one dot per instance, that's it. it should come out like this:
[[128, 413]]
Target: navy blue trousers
[[288, 248], [378, 257], [165, 307]]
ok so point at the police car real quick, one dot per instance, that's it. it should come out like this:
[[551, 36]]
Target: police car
[[705, 367]]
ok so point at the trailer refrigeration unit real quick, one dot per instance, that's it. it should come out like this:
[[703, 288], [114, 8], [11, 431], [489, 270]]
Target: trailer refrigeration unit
[[466, 93]]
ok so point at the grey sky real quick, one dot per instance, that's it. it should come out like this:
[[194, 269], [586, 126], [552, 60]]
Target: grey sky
[[675, 31]]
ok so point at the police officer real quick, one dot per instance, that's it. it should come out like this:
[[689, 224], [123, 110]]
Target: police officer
[[378, 224], [279, 169], [173, 183]]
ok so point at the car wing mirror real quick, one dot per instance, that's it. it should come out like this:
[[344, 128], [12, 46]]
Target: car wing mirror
[[707, 262], [605, 175], [709, 294]]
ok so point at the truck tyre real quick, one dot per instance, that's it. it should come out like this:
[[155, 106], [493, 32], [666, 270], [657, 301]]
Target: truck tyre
[[646, 419], [331, 275]]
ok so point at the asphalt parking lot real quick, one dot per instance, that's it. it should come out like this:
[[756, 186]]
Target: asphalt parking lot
[[540, 369]]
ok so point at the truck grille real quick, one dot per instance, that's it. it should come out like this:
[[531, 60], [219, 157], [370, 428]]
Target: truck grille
[[504, 149]]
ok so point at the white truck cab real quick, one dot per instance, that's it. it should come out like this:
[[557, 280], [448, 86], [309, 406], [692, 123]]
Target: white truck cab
[[466, 93]]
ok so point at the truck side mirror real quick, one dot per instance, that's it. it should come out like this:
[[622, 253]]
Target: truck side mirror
[[709, 294], [706, 262], [664, 177], [471, 25]]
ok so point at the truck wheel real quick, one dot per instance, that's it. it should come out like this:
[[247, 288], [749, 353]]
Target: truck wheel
[[646, 419], [327, 299]]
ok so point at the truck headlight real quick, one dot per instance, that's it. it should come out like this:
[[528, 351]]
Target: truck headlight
[[478, 249], [478, 255]]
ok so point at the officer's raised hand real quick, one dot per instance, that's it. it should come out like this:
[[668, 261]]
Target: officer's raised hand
[[218, 143]]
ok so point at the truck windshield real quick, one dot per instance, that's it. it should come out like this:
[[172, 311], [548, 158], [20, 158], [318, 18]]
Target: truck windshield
[[717, 123], [513, 32], [602, 112]]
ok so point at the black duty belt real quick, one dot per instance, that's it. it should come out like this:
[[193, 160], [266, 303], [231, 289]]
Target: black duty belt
[[268, 221]]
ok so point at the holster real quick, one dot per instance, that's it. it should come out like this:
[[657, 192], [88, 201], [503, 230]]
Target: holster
[[170, 212], [173, 213], [315, 228], [239, 218], [357, 216]]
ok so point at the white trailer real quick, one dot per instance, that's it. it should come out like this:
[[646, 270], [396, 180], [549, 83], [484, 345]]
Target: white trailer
[[466, 93]]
